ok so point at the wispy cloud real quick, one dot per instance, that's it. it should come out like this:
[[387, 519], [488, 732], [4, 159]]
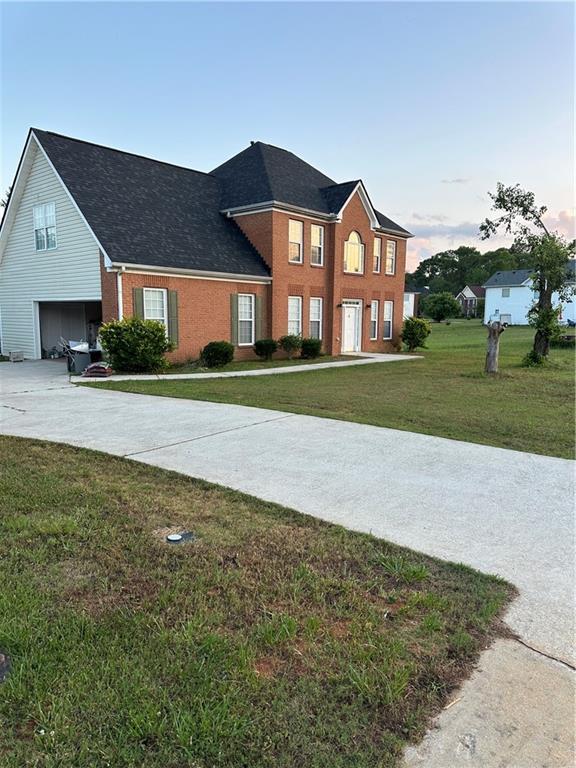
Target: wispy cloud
[[564, 222], [429, 217], [455, 181], [442, 229]]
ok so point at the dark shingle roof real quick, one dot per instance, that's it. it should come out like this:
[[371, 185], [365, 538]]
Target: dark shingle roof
[[145, 211], [478, 291], [262, 173], [510, 277]]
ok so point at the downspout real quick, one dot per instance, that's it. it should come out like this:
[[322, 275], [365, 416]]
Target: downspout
[[119, 292]]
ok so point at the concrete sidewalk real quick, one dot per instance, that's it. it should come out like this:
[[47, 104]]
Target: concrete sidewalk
[[459, 501]]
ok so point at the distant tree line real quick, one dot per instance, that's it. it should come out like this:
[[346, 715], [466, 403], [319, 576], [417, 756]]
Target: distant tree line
[[451, 270]]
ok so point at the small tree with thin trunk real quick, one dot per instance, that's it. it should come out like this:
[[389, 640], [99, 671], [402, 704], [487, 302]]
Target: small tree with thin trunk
[[550, 253], [494, 332]]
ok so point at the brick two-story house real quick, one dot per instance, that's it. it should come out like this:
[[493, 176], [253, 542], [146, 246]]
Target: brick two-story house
[[262, 246]]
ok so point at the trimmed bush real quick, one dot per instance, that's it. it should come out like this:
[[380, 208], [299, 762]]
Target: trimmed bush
[[265, 348], [290, 344], [310, 348], [135, 345], [216, 354], [440, 306], [415, 331]]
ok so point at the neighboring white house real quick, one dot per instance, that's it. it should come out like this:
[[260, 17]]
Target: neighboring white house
[[509, 296]]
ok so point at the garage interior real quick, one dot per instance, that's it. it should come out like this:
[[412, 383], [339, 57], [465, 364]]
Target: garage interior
[[70, 320]]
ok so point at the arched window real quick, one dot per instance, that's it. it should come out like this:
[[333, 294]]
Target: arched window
[[354, 254]]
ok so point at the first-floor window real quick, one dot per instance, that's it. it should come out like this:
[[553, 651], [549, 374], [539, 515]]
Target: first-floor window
[[245, 319], [156, 305], [294, 315], [374, 320], [315, 318], [388, 315], [505, 293]]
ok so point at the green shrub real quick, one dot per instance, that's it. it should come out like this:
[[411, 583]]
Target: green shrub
[[216, 354], [135, 345], [415, 331], [265, 348], [566, 341], [310, 348], [290, 344], [533, 360], [440, 306]]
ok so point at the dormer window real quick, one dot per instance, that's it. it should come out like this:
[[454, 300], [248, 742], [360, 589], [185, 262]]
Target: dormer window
[[354, 254], [45, 226]]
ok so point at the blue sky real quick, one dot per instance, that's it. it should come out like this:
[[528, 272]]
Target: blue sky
[[429, 103]]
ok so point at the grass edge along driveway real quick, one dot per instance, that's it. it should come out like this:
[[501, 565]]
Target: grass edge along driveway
[[445, 394], [273, 639]]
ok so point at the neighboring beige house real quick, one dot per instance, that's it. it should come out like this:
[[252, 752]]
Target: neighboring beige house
[[468, 299]]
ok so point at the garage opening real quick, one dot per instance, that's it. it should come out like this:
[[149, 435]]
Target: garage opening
[[70, 320]]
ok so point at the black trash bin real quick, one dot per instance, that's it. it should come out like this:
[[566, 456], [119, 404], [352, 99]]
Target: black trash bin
[[77, 361]]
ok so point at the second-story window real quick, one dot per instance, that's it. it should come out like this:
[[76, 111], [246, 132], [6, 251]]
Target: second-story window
[[317, 246], [391, 257], [296, 239], [377, 255], [45, 226], [354, 254]]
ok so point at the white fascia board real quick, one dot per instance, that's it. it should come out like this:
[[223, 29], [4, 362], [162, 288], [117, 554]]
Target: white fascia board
[[374, 223], [194, 274], [16, 193]]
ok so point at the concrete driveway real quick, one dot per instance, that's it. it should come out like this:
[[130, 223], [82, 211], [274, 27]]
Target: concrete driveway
[[500, 511]]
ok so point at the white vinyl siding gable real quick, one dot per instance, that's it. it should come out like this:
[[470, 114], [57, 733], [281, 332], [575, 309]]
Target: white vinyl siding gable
[[69, 272]]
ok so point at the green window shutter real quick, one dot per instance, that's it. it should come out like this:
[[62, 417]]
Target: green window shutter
[[234, 318], [259, 310], [138, 302], [173, 317]]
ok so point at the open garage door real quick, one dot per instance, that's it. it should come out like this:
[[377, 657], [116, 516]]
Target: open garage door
[[71, 320]]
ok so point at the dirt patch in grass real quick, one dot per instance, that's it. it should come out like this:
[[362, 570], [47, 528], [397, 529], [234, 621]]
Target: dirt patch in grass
[[273, 639]]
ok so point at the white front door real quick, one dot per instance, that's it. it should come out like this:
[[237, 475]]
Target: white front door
[[351, 326]]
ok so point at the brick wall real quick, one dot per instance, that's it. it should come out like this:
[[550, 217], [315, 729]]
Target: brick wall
[[268, 232], [108, 281], [203, 309]]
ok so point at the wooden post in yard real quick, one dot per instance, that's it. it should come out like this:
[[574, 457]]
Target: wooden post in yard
[[494, 331]]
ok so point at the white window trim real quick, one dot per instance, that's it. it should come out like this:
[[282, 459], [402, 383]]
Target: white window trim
[[321, 300], [300, 243], [252, 341], [299, 300], [388, 320], [374, 304], [362, 255], [394, 243], [321, 228], [379, 270], [165, 303], [44, 228]]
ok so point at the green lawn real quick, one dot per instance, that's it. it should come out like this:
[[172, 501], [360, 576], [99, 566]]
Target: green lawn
[[252, 365], [272, 640], [445, 394]]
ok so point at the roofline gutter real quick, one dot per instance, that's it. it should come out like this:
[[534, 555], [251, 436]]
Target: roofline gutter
[[276, 205], [198, 274]]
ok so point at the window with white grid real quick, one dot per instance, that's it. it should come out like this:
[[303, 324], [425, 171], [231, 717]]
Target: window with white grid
[[374, 320], [317, 245], [377, 254], [315, 318], [296, 239], [245, 319], [294, 315], [388, 315], [155, 305], [390, 257], [354, 254], [45, 226]]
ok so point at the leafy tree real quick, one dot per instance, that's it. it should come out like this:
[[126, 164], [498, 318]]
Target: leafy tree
[[549, 253], [440, 306], [415, 331]]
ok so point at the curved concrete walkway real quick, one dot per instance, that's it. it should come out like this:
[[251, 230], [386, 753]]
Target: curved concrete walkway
[[501, 511]]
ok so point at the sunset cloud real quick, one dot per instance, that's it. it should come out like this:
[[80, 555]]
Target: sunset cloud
[[455, 181]]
